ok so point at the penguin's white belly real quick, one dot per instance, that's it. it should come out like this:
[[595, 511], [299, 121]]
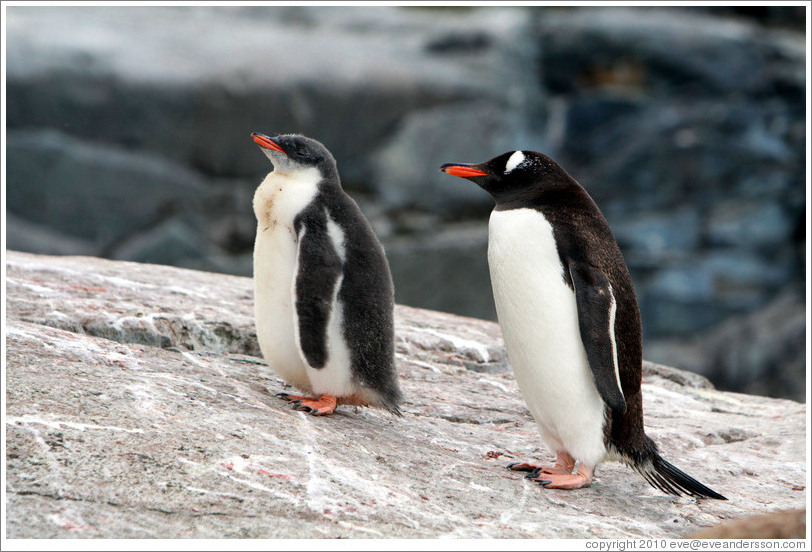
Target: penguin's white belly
[[277, 202], [539, 319], [274, 271]]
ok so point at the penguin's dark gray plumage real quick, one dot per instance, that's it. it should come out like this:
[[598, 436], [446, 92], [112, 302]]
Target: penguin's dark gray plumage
[[324, 298], [571, 322]]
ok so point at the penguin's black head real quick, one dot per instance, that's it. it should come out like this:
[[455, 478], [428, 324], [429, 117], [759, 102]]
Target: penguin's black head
[[292, 152], [513, 174]]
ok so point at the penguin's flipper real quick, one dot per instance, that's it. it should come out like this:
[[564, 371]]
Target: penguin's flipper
[[596, 319], [319, 270]]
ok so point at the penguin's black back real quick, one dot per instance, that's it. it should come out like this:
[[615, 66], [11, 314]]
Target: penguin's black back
[[367, 294]]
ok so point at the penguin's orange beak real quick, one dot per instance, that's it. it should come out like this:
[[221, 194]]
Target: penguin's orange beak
[[464, 171], [266, 142]]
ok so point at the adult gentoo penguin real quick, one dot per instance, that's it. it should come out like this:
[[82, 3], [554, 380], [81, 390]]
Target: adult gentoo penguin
[[323, 293], [570, 321]]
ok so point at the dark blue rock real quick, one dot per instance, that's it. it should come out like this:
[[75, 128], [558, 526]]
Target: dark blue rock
[[658, 236], [94, 192], [749, 223], [694, 295]]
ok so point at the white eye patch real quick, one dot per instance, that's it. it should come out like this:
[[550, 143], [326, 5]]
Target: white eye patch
[[514, 161]]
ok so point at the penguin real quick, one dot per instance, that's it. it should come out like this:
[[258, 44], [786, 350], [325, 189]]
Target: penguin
[[323, 291], [571, 324]]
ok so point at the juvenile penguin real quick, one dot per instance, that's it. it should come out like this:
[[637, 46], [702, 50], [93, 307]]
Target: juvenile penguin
[[570, 322], [324, 299]]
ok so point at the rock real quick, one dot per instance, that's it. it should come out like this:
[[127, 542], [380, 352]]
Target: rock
[[231, 223], [408, 168], [747, 221], [424, 265], [658, 238], [774, 16], [173, 241], [762, 352], [22, 235], [778, 525], [93, 192], [137, 408], [659, 49], [200, 109], [685, 297], [682, 153]]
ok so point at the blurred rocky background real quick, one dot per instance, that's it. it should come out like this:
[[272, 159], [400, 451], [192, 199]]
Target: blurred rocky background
[[128, 138]]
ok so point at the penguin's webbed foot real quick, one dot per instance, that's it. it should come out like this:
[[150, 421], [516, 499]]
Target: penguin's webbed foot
[[581, 478], [564, 464], [564, 481], [523, 466], [322, 406]]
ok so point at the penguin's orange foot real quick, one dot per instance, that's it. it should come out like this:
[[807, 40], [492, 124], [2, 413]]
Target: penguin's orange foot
[[564, 464], [566, 481], [537, 471], [556, 470], [324, 405]]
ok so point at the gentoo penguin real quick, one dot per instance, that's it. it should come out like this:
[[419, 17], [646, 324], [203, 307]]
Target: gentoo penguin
[[570, 321], [324, 299]]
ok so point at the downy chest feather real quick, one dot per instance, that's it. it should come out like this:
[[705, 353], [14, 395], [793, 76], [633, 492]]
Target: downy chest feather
[[281, 196]]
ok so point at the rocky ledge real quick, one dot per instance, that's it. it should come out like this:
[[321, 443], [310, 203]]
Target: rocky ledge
[[137, 407]]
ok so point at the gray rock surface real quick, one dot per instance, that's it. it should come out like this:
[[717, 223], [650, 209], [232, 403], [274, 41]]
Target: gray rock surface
[[136, 407]]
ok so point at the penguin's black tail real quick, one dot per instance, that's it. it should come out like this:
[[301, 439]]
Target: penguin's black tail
[[666, 477], [391, 400]]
